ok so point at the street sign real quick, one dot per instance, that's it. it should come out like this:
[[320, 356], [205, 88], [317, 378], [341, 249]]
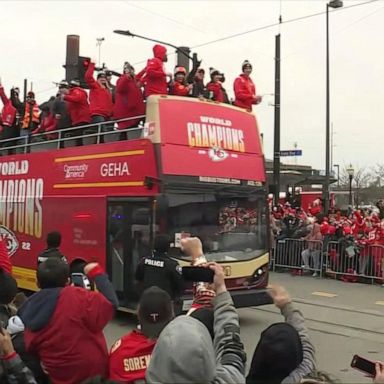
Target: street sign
[[293, 152]]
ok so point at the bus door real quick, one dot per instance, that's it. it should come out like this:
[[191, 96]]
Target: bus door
[[128, 240]]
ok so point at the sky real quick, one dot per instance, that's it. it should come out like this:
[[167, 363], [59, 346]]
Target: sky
[[33, 41]]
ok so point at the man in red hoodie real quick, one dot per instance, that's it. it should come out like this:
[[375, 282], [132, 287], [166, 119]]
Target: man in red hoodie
[[245, 90], [179, 86], [64, 324], [77, 106], [129, 100], [100, 96], [154, 75], [8, 128]]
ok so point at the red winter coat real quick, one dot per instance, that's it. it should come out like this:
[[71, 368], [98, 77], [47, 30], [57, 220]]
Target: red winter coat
[[245, 92], [77, 106], [64, 327], [128, 102], [100, 98], [154, 77], [48, 124], [217, 89], [8, 113], [179, 89], [5, 264]]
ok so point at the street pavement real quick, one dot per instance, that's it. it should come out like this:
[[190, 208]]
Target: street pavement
[[343, 319]]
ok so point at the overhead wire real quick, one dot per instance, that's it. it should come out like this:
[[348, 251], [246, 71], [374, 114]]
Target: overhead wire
[[279, 23]]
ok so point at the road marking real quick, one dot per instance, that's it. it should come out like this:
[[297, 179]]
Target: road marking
[[324, 294], [380, 302]]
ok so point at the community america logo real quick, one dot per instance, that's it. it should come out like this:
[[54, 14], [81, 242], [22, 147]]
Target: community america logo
[[10, 240]]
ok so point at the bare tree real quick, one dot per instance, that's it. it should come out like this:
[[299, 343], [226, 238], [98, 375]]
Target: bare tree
[[362, 177], [379, 174]]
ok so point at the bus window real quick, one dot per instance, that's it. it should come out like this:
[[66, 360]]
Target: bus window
[[231, 228]]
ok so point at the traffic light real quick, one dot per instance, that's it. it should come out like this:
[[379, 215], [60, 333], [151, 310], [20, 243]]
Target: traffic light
[[82, 65]]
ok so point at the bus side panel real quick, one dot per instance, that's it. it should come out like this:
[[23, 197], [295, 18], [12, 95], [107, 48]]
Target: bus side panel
[[82, 224]]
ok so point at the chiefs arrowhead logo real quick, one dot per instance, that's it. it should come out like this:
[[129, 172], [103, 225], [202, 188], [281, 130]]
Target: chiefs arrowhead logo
[[217, 154], [10, 240]]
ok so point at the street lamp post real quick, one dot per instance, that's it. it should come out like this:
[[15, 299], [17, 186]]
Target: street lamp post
[[331, 4], [99, 41], [350, 172]]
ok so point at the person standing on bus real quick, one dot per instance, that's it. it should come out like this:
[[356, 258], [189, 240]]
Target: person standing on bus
[[244, 88], [31, 116], [8, 117], [129, 99], [154, 76], [179, 86], [100, 96], [215, 87], [77, 105], [53, 243], [160, 270]]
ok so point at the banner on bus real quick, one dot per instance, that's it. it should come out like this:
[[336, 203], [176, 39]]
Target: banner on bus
[[212, 140]]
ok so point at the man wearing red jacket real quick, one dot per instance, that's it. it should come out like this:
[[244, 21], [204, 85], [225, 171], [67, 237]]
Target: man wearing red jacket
[[129, 100], [179, 86], [100, 96], [64, 324], [77, 106], [245, 90], [154, 76], [130, 356], [8, 127]]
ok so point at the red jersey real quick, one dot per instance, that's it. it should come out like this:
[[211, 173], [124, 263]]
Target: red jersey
[[130, 357], [5, 264]]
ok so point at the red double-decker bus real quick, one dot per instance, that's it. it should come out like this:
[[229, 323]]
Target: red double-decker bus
[[196, 168]]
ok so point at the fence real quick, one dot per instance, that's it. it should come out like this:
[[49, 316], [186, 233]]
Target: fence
[[69, 137], [353, 262], [338, 259], [299, 255]]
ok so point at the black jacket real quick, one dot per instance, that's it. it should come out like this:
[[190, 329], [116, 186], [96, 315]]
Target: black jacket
[[161, 271], [50, 252]]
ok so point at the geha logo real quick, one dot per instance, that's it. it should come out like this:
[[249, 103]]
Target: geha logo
[[217, 154], [10, 240]]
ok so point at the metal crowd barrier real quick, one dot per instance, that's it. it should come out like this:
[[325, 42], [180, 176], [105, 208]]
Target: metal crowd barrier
[[353, 263], [298, 255], [94, 133]]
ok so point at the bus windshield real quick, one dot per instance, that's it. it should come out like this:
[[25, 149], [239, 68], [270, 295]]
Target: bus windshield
[[231, 228]]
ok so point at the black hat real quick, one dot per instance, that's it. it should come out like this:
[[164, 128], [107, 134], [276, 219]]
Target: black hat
[[101, 74], [246, 63], [278, 353], [63, 84], [155, 311], [213, 72]]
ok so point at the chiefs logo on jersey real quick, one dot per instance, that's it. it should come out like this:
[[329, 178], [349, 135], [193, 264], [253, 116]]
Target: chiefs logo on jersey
[[10, 240]]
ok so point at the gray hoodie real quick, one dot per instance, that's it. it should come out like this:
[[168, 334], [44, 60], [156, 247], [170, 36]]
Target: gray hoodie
[[184, 352], [294, 317]]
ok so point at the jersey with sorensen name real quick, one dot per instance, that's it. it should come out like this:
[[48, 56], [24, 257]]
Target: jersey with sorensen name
[[161, 271]]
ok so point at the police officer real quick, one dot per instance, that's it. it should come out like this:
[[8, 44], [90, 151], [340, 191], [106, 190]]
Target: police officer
[[160, 270]]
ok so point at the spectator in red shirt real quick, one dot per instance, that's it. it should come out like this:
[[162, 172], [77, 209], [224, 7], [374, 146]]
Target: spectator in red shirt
[[179, 86], [129, 99], [100, 96], [245, 90], [154, 76], [64, 324], [130, 356]]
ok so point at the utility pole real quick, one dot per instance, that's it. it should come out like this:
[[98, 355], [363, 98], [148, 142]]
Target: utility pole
[[276, 145]]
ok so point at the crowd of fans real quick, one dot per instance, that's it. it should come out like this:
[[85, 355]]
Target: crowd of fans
[[353, 241], [74, 107]]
